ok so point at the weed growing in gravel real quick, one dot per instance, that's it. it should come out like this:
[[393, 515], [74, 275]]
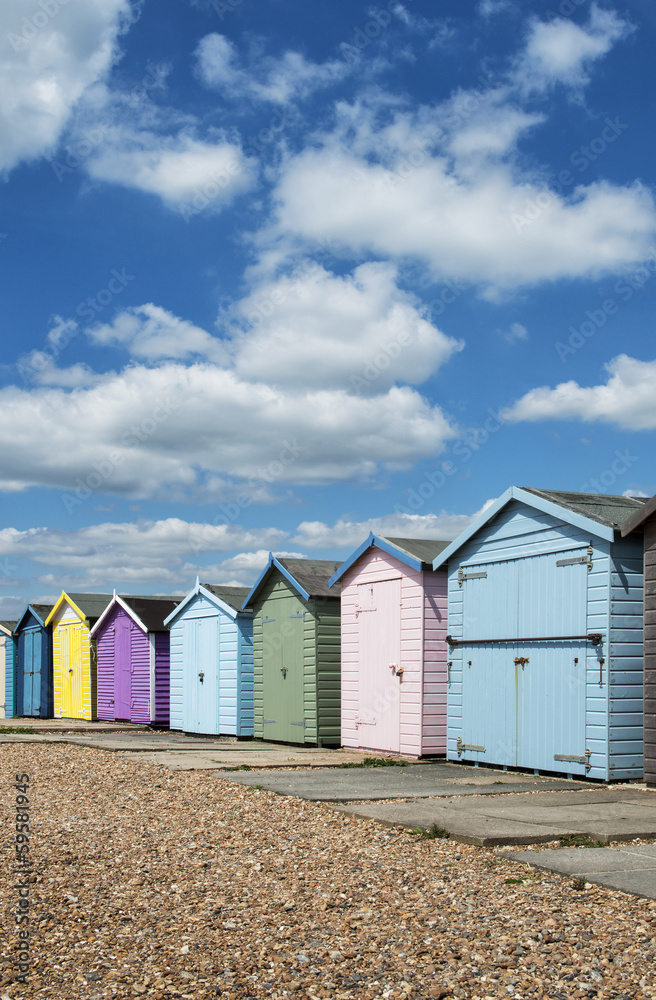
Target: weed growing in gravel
[[514, 881], [578, 883], [580, 840], [239, 767], [376, 762], [434, 832], [256, 788], [17, 729]]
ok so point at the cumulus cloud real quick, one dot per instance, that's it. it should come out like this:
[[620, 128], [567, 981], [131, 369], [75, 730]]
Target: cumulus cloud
[[187, 173], [561, 51], [348, 534], [152, 334], [265, 78], [359, 331], [463, 227], [515, 332], [47, 61], [179, 431], [627, 398]]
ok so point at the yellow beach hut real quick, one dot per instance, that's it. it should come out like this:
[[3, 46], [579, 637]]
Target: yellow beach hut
[[74, 654]]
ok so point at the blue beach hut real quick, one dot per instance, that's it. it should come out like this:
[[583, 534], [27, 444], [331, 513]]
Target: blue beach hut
[[545, 636], [33, 640], [212, 662], [7, 670]]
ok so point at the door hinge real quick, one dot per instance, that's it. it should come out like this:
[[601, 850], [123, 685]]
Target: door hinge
[[301, 614], [267, 721], [587, 558], [265, 621], [301, 723], [575, 759], [468, 746], [462, 576]]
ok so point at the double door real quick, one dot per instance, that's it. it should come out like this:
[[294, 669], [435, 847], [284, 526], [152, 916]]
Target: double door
[[524, 657]]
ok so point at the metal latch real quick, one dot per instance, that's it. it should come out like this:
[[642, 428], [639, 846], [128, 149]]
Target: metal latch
[[521, 661], [201, 675], [283, 671]]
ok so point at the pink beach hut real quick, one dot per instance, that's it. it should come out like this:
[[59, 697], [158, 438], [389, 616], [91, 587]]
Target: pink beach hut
[[394, 651]]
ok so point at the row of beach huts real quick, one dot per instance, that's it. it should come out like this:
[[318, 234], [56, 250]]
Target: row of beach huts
[[519, 644]]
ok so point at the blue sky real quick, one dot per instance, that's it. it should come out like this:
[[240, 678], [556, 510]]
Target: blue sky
[[277, 274]]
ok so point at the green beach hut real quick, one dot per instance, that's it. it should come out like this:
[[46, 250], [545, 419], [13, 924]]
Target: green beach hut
[[296, 649]]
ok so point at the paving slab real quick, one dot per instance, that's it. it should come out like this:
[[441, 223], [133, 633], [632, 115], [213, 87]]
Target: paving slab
[[68, 725], [600, 813], [414, 781], [629, 869], [184, 752], [225, 763]]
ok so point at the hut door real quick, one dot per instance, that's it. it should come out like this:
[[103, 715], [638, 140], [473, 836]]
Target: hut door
[[32, 671], [488, 692], [379, 660], [283, 676], [122, 670], [523, 693], [200, 704], [3, 653], [551, 685], [70, 665]]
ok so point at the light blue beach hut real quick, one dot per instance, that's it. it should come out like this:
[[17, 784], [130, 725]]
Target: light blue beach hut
[[212, 662], [545, 636], [7, 670]]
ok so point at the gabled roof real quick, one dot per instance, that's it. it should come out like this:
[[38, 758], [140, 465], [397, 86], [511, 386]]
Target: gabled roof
[[8, 627], [89, 606], [638, 518], [600, 515], [309, 577], [417, 553], [229, 599], [148, 613], [40, 612]]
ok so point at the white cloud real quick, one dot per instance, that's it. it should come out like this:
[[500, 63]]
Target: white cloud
[[561, 51], [357, 331], [627, 399], [47, 61], [490, 8], [348, 534], [462, 227], [187, 173], [152, 333], [179, 431], [276, 80], [515, 332]]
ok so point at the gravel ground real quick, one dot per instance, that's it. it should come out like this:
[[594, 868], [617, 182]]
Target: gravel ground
[[164, 884]]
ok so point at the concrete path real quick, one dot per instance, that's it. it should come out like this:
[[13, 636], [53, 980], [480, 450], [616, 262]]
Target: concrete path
[[177, 751], [599, 813], [415, 781], [629, 869]]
